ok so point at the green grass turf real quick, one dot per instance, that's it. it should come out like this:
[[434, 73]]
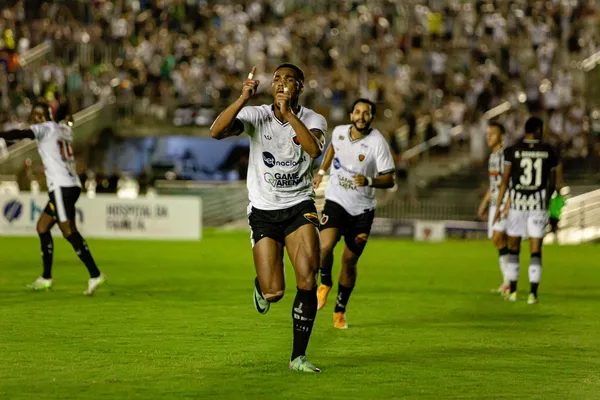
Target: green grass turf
[[176, 321]]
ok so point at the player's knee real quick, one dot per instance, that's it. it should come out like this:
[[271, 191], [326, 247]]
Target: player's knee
[[307, 282], [274, 296]]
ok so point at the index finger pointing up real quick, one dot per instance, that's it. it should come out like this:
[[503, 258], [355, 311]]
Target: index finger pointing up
[[252, 72]]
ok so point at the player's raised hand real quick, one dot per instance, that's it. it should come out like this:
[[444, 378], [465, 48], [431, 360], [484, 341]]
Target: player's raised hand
[[317, 181], [283, 101], [250, 85], [360, 180]]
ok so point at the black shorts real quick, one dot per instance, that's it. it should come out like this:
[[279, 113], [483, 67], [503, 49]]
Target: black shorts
[[277, 224], [354, 228], [62, 203]]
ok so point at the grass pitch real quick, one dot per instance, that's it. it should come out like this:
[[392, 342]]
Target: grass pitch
[[176, 320]]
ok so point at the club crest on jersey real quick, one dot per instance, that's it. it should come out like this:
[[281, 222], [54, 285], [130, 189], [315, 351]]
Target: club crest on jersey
[[295, 140], [312, 217], [361, 238], [324, 219], [361, 157]]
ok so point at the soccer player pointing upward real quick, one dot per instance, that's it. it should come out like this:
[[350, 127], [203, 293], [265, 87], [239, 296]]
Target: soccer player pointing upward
[[362, 161], [284, 139]]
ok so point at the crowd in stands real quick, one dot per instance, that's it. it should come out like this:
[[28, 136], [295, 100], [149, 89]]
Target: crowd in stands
[[434, 67]]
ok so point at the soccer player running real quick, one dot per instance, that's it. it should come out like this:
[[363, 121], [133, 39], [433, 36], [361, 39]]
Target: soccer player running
[[496, 231], [54, 142], [530, 170], [362, 161], [284, 139]]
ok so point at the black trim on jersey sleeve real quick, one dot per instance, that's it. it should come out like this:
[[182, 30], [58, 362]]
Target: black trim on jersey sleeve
[[17, 134], [237, 128], [389, 171], [509, 155]]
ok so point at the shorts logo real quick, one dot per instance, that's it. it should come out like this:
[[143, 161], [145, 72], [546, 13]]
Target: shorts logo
[[361, 157], [324, 219], [12, 210], [361, 239], [312, 217]]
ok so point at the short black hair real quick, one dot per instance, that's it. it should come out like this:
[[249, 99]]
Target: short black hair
[[45, 107], [365, 101], [534, 125], [299, 73], [497, 125]]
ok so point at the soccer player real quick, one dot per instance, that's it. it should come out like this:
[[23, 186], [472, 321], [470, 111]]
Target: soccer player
[[284, 139], [497, 231], [530, 169], [54, 141], [362, 161]]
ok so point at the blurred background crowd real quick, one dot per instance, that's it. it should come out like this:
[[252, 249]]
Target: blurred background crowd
[[437, 69]]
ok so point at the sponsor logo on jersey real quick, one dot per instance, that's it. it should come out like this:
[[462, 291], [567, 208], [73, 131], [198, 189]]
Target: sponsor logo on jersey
[[361, 157], [346, 183], [270, 161], [312, 217], [361, 239], [336, 163], [295, 140], [324, 219], [278, 180]]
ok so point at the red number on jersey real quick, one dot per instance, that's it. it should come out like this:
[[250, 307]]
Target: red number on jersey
[[66, 151]]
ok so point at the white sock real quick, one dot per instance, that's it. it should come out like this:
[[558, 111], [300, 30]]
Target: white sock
[[503, 260], [535, 270], [513, 267]]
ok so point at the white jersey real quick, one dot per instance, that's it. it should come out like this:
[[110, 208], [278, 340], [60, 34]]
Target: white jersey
[[369, 156], [279, 170], [54, 142]]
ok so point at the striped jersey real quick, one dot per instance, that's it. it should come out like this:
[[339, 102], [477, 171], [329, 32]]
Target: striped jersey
[[495, 171], [532, 165]]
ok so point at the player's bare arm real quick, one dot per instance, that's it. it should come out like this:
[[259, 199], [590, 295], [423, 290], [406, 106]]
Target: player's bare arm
[[381, 182], [226, 124], [325, 165], [502, 192], [484, 204], [17, 134]]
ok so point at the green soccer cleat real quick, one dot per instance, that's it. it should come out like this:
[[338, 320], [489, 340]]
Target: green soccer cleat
[[301, 364], [532, 299], [512, 297], [41, 284]]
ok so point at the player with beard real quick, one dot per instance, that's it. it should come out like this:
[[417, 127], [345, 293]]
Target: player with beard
[[284, 139], [362, 161]]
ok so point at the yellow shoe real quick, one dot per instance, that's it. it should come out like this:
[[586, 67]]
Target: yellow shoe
[[339, 320], [322, 293]]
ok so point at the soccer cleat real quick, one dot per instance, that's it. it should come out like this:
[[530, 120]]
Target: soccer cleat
[[93, 284], [41, 284], [512, 297], [532, 299], [502, 289], [322, 293], [339, 320], [261, 305], [301, 364]]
